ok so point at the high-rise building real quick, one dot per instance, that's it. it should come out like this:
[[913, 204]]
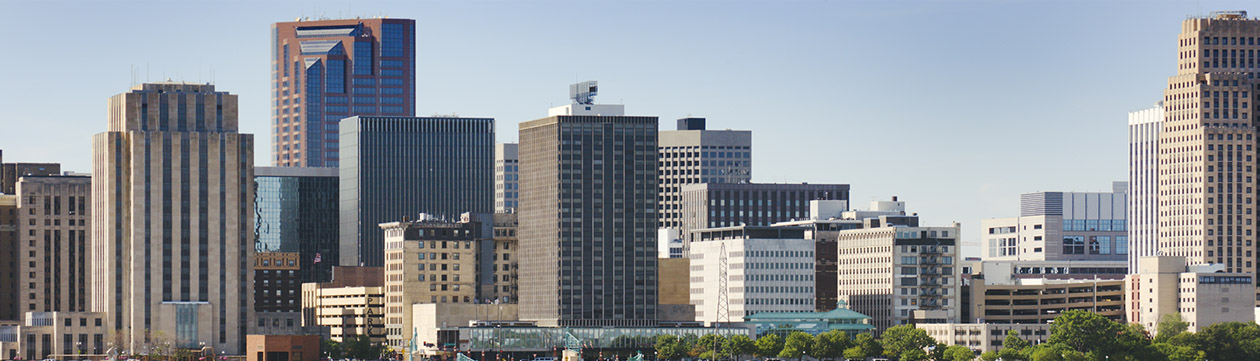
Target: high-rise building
[[1207, 145], [10, 172], [277, 293], [693, 155], [713, 205], [743, 270], [507, 178], [326, 70], [900, 273], [53, 250], [427, 261], [296, 211], [588, 217], [395, 167], [172, 212], [1143, 218], [1083, 226], [9, 258]]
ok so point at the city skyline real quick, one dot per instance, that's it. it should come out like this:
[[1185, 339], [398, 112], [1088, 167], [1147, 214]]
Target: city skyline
[[838, 70]]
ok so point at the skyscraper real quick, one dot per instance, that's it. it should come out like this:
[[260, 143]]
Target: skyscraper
[[692, 155], [1207, 165], [296, 211], [53, 250], [395, 167], [1144, 127], [507, 178], [588, 217], [326, 70], [172, 217]]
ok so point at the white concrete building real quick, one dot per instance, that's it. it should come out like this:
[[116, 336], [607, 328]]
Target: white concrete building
[[1144, 126], [899, 274], [1084, 226], [764, 269]]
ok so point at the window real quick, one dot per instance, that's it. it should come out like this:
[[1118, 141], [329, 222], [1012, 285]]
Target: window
[[1073, 245], [336, 80], [393, 40], [1122, 244], [362, 58]]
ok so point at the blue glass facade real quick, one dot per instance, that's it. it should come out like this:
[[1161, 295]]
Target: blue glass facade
[[336, 58], [296, 211], [395, 167]]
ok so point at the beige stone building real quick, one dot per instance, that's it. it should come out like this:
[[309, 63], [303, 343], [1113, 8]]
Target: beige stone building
[[984, 337], [53, 251], [61, 335], [172, 216], [503, 287], [426, 261], [1202, 294], [1207, 147], [889, 272], [348, 311], [342, 276]]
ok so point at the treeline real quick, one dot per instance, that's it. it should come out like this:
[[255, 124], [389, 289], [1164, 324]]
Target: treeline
[[1074, 336]]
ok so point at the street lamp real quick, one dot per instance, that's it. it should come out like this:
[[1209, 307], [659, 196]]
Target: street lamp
[[78, 348]]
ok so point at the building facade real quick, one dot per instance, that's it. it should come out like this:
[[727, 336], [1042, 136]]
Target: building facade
[[348, 311], [1062, 226], [502, 275], [395, 167], [61, 335], [712, 205], [295, 209], [343, 276], [172, 208], [277, 293], [1143, 207], [1207, 145], [1202, 294], [985, 337], [427, 261], [9, 258], [922, 263], [588, 220], [741, 271], [691, 155], [53, 250], [507, 178], [326, 70]]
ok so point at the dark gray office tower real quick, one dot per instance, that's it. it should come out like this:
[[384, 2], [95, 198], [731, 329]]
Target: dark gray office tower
[[587, 220], [711, 205], [396, 167], [295, 209]]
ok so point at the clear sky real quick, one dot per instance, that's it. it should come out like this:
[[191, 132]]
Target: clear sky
[[955, 107]]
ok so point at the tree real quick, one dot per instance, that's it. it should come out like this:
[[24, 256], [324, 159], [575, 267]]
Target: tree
[[1170, 324], [830, 344], [1229, 341], [1013, 341], [740, 345], [362, 347], [902, 340], [798, 343], [866, 346], [959, 353], [670, 347], [769, 345], [1085, 332], [1179, 353], [713, 343], [331, 349], [989, 356]]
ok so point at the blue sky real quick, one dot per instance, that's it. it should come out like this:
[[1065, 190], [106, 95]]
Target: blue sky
[[956, 107]]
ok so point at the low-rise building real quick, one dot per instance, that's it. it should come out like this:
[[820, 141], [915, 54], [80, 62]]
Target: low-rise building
[[739, 271], [353, 303], [1032, 292], [984, 337], [814, 323], [1085, 226], [61, 335], [1202, 294], [282, 348]]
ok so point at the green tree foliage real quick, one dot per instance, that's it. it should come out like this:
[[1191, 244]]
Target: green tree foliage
[[331, 349], [1169, 325], [769, 345], [713, 343], [903, 340], [1179, 353], [1229, 341], [670, 347], [1013, 341], [989, 356], [959, 353], [1086, 332], [740, 345], [798, 343], [830, 344], [362, 347]]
